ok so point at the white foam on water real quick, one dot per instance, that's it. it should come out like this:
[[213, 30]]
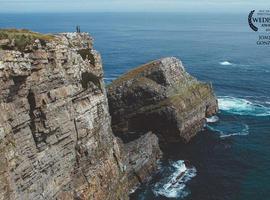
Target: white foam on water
[[212, 119], [245, 131], [225, 63], [223, 134], [240, 106], [267, 102], [174, 185]]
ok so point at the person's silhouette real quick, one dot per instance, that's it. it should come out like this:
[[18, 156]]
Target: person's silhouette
[[78, 29]]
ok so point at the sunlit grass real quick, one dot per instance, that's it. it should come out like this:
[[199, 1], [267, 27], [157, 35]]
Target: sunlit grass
[[21, 38]]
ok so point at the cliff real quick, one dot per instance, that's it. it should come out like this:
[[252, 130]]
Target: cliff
[[56, 136], [162, 97], [56, 140]]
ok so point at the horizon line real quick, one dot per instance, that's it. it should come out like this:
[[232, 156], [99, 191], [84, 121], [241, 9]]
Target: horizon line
[[104, 12]]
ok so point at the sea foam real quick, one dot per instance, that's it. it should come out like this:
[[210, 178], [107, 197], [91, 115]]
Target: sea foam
[[225, 63], [240, 106], [173, 185], [212, 119], [241, 130], [245, 131]]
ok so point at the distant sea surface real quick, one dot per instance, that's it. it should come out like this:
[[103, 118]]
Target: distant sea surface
[[231, 158]]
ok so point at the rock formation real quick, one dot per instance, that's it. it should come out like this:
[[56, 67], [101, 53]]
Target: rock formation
[[55, 131], [56, 140], [141, 157], [161, 97]]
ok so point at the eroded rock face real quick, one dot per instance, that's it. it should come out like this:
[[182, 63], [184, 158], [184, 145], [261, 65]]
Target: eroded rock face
[[55, 132], [161, 97], [56, 136], [140, 158]]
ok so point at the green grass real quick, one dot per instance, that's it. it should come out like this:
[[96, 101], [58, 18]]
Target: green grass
[[22, 38], [134, 72]]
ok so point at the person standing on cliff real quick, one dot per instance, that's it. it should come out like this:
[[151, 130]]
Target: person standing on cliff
[[78, 29]]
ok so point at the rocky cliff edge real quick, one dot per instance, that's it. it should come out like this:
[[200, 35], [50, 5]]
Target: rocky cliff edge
[[56, 140]]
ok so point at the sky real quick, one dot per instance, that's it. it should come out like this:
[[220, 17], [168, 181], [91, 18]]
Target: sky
[[10, 6]]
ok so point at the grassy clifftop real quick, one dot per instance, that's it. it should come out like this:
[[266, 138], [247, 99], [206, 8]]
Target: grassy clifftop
[[18, 39]]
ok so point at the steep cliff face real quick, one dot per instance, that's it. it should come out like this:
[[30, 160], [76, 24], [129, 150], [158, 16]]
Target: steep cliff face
[[141, 156], [161, 97], [56, 140], [55, 133]]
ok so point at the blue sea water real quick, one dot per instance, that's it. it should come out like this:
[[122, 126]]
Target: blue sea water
[[230, 158]]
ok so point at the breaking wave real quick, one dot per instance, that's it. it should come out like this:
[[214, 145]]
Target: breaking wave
[[225, 63], [239, 106], [173, 185], [212, 119]]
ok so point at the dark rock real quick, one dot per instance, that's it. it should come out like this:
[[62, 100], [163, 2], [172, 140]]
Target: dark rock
[[162, 97]]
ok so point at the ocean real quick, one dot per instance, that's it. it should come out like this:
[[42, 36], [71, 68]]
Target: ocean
[[230, 157]]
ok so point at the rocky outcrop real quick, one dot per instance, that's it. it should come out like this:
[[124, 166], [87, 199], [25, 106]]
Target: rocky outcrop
[[55, 132], [56, 140], [140, 158], [161, 97]]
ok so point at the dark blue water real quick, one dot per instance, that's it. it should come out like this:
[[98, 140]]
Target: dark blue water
[[230, 158]]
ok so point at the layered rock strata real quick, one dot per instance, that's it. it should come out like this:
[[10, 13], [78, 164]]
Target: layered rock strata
[[55, 132], [140, 158], [162, 97]]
